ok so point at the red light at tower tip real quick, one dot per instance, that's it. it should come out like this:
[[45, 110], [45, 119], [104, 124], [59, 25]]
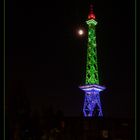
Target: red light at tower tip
[[91, 14]]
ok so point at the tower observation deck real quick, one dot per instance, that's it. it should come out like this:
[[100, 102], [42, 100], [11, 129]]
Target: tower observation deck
[[92, 89]]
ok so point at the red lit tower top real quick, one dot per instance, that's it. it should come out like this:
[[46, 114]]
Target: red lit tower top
[[91, 15]]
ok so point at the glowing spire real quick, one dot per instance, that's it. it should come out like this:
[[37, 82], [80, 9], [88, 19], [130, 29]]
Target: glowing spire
[[91, 14]]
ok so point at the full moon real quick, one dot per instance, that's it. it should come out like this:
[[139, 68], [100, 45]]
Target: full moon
[[80, 32]]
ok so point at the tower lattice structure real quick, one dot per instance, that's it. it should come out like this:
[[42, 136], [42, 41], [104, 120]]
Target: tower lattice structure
[[92, 89]]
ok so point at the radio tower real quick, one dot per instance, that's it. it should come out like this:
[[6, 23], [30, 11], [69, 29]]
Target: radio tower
[[92, 103]]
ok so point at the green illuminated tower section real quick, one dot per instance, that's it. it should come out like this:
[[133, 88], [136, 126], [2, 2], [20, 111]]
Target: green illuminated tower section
[[91, 65]]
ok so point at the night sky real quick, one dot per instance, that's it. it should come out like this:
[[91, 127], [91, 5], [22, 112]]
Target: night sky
[[45, 58]]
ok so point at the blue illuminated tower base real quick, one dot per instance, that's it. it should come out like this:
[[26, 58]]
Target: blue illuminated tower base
[[92, 100]]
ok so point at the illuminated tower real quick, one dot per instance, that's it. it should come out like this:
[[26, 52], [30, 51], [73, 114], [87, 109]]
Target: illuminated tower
[[92, 104]]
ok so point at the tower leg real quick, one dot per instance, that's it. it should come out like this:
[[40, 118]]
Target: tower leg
[[91, 101], [100, 107]]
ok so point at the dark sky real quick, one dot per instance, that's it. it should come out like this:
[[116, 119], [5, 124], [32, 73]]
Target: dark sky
[[45, 59]]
